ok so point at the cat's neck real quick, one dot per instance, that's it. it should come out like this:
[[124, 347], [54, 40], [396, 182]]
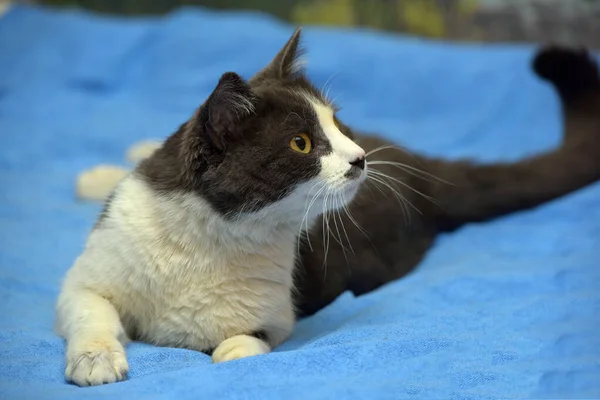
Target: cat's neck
[[187, 218]]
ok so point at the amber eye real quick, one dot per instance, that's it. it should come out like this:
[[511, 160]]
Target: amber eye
[[301, 143]]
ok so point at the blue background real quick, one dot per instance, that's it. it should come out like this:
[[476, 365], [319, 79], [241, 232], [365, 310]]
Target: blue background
[[506, 309]]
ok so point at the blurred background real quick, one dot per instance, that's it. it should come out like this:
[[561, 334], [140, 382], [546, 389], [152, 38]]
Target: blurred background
[[565, 21]]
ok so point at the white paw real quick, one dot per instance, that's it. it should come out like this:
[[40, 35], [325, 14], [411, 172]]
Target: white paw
[[142, 150], [98, 182], [96, 362], [239, 347]]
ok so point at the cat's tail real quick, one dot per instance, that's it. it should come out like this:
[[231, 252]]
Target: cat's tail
[[482, 192]]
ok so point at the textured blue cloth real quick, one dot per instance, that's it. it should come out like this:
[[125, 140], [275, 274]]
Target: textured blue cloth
[[507, 309]]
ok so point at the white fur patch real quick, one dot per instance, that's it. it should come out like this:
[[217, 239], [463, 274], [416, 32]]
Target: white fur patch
[[97, 183], [344, 151], [188, 277], [239, 346]]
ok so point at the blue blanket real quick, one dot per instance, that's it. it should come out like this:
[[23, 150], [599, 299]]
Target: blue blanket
[[506, 309]]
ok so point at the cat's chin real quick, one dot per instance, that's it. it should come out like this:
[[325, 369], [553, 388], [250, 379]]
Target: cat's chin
[[349, 190]]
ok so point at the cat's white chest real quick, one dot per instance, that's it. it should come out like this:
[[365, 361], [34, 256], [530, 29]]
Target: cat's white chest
[[206, 299], [176, 286]]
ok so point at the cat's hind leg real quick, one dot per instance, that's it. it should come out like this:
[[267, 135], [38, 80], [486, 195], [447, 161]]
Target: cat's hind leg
[[142, 150], [97, 183], [95, 338]]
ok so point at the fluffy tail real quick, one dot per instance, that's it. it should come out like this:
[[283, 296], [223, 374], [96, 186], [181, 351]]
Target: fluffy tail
[[484, 192]]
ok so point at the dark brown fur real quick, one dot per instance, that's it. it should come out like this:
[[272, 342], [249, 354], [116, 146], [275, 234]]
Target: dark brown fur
[[234, 152], [475, 193]]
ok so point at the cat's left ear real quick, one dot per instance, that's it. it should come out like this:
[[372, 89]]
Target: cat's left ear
[[285, 64], [228, 105]]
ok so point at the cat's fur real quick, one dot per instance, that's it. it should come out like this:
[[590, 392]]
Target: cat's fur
[[197, 246], [462, 192], [179, 304]]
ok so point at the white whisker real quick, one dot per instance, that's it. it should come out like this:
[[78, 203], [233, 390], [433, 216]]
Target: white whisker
[[411, 170], [401, 199], [325, 90], [340, 203], [382, 175], [393, 147], [337, 238], [352, 219], [325, 233], [397, 193], [386, 147], [304, 220]]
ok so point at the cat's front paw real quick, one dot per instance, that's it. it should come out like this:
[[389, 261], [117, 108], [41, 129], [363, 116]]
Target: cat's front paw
[[96, 362], [239, 346]]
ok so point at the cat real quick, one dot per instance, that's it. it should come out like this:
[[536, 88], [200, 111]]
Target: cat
[[197, 247], [211, 243]]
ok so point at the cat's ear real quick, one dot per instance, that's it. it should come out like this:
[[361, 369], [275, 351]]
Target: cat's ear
[[285, 64], [229, 104]]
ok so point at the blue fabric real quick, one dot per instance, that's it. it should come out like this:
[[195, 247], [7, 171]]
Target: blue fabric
[[506, 309]]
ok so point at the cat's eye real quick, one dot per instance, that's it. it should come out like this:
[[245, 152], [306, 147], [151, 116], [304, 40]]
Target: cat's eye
[[301, 143]]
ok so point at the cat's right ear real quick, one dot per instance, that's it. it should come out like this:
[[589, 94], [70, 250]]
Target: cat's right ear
[[285, 64], [219, 117]]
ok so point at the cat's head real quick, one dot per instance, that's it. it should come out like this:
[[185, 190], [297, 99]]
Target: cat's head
[[269, 146]]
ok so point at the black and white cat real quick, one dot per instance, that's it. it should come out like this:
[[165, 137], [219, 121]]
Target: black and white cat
[[197, 247]]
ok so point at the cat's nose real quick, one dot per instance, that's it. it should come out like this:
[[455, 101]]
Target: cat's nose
[[359, 162]]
